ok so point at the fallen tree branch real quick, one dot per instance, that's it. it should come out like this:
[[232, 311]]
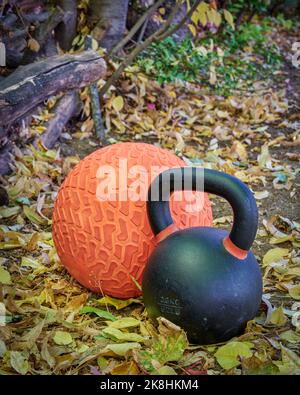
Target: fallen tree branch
[[63, 111], [30, 85]]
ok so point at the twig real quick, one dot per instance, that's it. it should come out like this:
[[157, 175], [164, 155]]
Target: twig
[[143, 29], [95, 102], [136, 27], [174, 29], [139, 48]]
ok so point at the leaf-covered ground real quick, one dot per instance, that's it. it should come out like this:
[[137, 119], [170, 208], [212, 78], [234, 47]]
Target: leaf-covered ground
[[55, 326]]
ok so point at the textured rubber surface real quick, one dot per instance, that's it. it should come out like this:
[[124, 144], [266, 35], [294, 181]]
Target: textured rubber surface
[[103, 243]]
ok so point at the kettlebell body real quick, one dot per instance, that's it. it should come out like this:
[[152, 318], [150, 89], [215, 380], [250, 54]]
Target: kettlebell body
[[204, 279]]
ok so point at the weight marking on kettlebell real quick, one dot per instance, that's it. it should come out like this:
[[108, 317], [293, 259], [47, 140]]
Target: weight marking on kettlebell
[[169, 305]]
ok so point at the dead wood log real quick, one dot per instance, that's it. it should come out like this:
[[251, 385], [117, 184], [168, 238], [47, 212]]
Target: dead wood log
[[63, 111], [30, 85]]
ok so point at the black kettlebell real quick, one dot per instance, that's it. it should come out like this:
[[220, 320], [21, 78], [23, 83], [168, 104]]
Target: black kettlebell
[[203, 279]]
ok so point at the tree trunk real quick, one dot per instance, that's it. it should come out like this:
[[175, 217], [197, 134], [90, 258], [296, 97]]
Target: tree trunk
[[107, 19], [65, 32]]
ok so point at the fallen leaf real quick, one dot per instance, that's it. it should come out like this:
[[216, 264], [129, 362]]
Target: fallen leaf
[[19, 362], [295, 292], [278, 317], [126, 368], [121, 349], [118, 103], [117, 303], [4, 276], [117, 335], [62, 338], [228, 356], [125, 322], [100, 313], [274, 255]]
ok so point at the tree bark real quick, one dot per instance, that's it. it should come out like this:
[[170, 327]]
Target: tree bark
[[30, 85], [63, 111], [65, 32], [109, 19]]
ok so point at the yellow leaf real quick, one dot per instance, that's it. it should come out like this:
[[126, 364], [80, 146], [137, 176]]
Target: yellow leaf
[[125, 322], [4, 276], [126, 368], [274, 255], [118, 103], [117, 303], [295, 292], [214, 17], [62, 338], [33, 45], [202, 9], [228, 356], [229, 18], [193, 30], [277, 317], [238, 149], [195, 18]]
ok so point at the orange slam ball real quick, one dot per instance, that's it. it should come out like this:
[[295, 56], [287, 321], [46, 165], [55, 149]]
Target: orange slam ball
[[105, 244]]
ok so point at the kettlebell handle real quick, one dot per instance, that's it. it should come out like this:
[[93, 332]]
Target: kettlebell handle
[[237, 194]]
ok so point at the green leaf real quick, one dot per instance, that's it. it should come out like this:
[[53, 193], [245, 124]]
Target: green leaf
[[33, 216], [169, 346], [62, 338], [290, 336], [19, 362], [117, 335], [102, 362], [166, 370], [121, 349], [290, 362], [295, 292], [4, 276], [126, 322], [117, 303], [99, 312], [228, 356], [9, 211], [277, 317]]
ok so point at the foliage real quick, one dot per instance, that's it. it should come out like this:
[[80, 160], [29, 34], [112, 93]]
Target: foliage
[[258, 6], [52, 325], [168, 60]]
